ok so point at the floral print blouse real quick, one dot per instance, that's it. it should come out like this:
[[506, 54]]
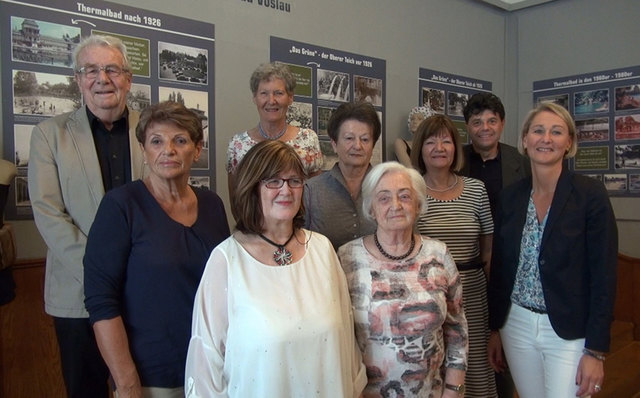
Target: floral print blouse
[[527, 289], [409, 318], [305, 143]]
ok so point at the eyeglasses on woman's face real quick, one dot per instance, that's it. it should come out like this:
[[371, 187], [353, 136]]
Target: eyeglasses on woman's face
[[277, 183]]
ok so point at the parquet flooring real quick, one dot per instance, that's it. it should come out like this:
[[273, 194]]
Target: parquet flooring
[[30, 364], [29, 358]]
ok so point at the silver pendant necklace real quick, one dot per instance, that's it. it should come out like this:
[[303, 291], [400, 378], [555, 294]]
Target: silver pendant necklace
[[282, 256]]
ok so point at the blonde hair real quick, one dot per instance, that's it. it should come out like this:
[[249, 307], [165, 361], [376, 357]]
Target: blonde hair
[[557, 110]]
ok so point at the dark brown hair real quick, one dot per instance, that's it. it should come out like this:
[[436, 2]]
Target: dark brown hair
[[434, 126], [170, 112], [363, 112], [264, 160]]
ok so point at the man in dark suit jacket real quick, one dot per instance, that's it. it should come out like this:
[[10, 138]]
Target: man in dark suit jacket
[[494, 163], [497, 165]]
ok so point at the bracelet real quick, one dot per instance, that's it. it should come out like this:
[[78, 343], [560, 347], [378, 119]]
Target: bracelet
[[594, 354]]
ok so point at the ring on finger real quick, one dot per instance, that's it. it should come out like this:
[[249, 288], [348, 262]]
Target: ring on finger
[[597, 387]]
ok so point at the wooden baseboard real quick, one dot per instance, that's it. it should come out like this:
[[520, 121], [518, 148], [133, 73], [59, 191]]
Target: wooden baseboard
[[627, 307], [29, 262]]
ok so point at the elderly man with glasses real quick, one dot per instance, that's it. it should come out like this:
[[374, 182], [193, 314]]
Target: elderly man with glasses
[[74, 159]]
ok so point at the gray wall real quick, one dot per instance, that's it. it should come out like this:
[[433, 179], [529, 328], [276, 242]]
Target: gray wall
[[462, 37], [569, 37]]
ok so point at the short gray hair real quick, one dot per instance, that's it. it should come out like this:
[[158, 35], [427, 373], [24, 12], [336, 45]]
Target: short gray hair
[[270, 71], [374, 176], [101, 41]]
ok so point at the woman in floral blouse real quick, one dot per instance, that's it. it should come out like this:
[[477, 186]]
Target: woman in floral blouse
[[406, 294], [272, 86]]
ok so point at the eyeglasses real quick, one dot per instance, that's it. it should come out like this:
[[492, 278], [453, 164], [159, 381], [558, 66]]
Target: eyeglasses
[[277, 183], [92, 71]]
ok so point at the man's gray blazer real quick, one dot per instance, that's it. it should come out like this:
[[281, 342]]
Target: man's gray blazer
[[65, 189]]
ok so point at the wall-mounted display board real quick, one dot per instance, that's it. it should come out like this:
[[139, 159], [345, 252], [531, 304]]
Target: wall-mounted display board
[[327, 78], [448, 94], [606, 108], [171, 59]]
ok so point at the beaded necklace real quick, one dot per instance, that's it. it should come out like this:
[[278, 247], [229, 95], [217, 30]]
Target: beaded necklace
[[389, 256], [268, 137]]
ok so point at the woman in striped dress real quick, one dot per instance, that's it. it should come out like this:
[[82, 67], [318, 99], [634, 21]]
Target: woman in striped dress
[[460, 216]]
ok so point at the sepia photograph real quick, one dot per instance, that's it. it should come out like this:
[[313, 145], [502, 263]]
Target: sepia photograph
[[21, 140], [560, 99], [22, 192], [592, 101], [628, 97], [324, 114], [456, 103], [615, 182], [329, 155], [139, 97], [627, 127], [182, 63], [41, 42], [367, 89], [596, 129], [200, 182], [594, 176], [634, 182], [198, 102], [627, 156], [434, 99], [333, 86], [44, 94], [300, 114]]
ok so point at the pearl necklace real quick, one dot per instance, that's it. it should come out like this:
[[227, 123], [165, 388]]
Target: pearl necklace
[[268, 137], [392, 257], [282, 256], [449, 188]]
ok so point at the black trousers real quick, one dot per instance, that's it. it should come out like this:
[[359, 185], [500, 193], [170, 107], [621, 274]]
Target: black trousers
[[504, 384], [84, 371]]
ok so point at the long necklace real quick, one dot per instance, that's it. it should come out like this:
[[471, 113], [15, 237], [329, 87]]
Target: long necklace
[[449, 188], [389, 256], [268, 137], [282, 256]]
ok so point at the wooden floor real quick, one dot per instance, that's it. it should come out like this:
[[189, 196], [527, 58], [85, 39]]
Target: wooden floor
[[30, 364], [29, 358]]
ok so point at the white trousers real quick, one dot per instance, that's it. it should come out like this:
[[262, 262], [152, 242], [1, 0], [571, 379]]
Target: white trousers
[[542, 364], [159, 392]]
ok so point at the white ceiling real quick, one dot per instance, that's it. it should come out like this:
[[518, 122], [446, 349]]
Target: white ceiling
[[512, 5]]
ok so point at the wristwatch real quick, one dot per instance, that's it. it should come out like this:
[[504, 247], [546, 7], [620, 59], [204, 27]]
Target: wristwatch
[[457, 388]]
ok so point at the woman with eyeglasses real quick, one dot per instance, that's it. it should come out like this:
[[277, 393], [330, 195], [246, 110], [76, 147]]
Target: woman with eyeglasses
[[272, 316]]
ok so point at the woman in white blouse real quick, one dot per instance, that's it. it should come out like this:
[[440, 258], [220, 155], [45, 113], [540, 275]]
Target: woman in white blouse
[[272, 316]]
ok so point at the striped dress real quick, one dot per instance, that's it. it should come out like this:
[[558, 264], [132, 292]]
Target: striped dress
[[459, 223]]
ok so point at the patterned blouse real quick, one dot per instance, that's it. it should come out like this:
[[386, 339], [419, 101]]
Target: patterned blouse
[[305, 143], [527, 289], [409, 318]]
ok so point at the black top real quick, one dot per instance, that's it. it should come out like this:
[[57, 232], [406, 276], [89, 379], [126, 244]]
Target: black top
[[112, 147], [488, 171], [144, 266]]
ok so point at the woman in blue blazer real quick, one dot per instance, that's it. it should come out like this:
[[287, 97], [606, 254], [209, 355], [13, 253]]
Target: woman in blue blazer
[[553, 271]]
